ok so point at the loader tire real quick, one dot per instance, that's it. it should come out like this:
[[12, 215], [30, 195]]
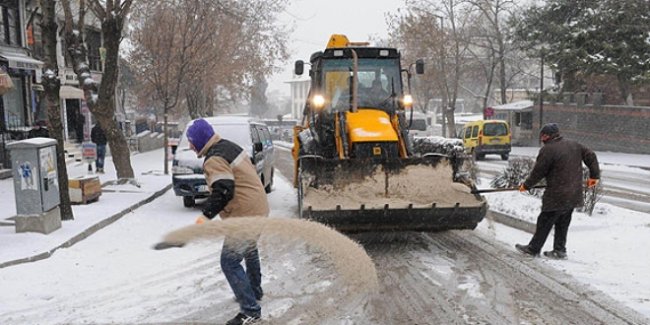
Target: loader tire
[[268, 188], [505, 156], [188, 201], [300, 193]]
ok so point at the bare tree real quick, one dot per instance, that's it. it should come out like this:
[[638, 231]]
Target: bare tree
[[52, 85], [169, 43], [449, 53], [195, 53], [100, 99], [495, 14]]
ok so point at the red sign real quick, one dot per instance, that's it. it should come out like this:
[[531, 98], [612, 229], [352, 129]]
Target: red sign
[[488, 112], [88, 151]]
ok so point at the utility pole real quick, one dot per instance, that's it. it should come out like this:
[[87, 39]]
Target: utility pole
[[444, 75], [541, 93]]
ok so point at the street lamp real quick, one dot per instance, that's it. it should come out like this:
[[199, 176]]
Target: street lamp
[[444, 75]]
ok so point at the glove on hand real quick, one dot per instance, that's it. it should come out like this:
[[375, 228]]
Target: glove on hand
[[592, 182], [522, 188], [201, 220]]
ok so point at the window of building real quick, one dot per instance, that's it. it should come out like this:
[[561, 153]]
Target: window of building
[[94, 43], [9, 23], [35, 37], [14, 105]]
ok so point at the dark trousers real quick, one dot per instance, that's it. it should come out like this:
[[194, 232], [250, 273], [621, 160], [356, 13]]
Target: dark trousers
[[545, 222], [245, 284], [101, 155]]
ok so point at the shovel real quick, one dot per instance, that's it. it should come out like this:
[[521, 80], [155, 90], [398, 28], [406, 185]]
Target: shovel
[[492, 190]]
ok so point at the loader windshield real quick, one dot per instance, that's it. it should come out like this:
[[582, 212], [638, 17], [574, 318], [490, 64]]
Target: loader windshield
[[378, 79]]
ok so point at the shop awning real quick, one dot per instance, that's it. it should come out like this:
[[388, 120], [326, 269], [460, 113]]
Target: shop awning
[[71, 92], [20, 61]]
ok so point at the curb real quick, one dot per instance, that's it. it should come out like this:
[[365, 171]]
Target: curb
[[511, 222], [91, 230]]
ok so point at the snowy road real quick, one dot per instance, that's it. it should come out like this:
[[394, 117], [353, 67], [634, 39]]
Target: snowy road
[[462, 277]]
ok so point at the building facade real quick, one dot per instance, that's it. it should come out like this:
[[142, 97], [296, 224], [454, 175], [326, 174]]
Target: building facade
[[21, 64], [299, 93]]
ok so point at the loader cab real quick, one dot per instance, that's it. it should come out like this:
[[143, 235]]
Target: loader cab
[[378, 79]]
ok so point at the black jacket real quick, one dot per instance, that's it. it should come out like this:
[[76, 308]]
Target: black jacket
[[40, 133], [560, 162], [97, 135]]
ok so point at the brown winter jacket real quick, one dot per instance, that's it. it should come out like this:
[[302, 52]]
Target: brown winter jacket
[[560, 162], [224, 160]]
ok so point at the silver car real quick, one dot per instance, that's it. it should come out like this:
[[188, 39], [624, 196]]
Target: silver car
[[187, 170]]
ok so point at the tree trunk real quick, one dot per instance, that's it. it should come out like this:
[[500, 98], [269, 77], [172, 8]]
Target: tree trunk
[[52, 86], [101, 102], [105, 110], [624, 87]]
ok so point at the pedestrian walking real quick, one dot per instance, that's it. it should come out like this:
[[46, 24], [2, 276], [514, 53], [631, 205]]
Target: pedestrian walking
[[559, 161], [236, 191], [39, 130], [99, 138]]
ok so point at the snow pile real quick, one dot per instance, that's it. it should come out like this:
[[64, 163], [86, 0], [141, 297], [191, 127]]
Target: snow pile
[[435, 144]]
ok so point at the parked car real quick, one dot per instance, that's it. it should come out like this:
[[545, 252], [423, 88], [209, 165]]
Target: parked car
[[187, 170], [487, 137]]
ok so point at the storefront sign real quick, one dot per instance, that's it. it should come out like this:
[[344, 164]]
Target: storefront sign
[[86, 114], [88, 151]]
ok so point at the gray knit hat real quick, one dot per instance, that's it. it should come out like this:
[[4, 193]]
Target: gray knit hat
[[550, 129]]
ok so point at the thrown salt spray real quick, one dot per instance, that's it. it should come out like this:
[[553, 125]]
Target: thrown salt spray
[[349, 259]]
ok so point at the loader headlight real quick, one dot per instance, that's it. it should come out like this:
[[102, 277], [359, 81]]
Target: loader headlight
[[318, 101], [407, 101]]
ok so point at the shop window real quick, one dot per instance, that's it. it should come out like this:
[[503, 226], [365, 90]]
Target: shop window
[[14, 105]]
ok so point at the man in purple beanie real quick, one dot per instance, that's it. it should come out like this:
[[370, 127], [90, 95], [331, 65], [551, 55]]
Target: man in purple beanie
[[235, 191]]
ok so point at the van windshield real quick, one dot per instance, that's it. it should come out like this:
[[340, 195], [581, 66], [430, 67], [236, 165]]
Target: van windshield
[[495, 129], [237, 133]]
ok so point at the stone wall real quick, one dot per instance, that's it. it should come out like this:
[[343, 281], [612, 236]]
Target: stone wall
[[148, 141], [600, 127]]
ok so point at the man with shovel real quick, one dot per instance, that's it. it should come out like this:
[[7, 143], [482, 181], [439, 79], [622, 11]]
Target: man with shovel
[[559, 161]]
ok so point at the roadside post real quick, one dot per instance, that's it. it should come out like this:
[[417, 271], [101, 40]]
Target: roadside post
[[36, 185]]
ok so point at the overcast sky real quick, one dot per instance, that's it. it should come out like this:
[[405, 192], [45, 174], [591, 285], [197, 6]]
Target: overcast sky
[[315, 21]]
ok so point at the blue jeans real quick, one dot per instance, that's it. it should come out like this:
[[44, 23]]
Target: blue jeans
[[101, 153], [245, 284]]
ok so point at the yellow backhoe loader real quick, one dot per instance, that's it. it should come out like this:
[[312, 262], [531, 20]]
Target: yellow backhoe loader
[[355, 166]]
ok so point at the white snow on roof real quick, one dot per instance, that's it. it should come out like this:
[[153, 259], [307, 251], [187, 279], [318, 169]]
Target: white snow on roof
[[227, 119], [515, 106], [465, 118]]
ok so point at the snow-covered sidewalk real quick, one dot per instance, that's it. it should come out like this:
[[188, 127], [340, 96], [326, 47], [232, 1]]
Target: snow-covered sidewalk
[[116, 200]]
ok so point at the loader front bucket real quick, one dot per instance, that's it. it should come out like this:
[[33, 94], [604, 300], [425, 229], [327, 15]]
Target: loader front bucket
[[356, 195]]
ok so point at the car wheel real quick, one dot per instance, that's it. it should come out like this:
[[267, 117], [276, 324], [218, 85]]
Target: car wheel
[[269, 187], [505, 156], [188, 201]]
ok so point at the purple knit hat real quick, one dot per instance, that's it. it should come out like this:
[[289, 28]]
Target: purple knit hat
[[199, 133]]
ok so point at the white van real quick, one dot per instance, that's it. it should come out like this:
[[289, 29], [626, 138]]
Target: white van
[[419, 125], [187, 170]]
